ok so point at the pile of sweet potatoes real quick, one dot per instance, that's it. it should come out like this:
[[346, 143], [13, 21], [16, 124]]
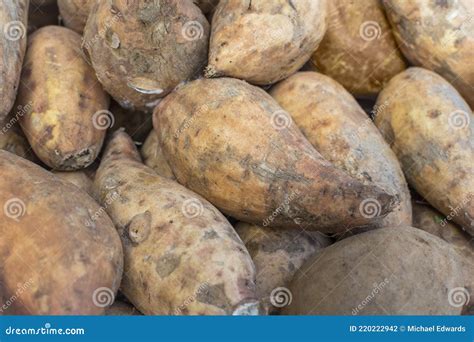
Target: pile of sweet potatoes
[[231, 157]]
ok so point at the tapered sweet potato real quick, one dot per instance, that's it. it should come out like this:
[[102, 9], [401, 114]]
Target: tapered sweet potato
[[182, 257], [264, 41], [388, 271], [231, 143], [278, 254], [431, 130], [141, 50], [358, 49], [57, 245], [153, 157], [339, 129], [13, 19], [75, 13], [437, 35], [64, 125]]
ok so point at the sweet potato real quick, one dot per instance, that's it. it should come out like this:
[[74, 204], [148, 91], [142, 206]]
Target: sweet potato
[[439, 36], [432, 221], [278, 254], [339, 129], [13, 19], [64, 125], [141, 50], [42, 13], [75, 13], [388, 271], [182, 257], [153, 157], [234, 145], [431, 130], [358, 49], [136, 123], [264, 41], [56, 244]]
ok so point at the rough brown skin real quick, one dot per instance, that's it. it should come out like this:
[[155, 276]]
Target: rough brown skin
[[119, 308], [79, 179], [42, 13], [277, 255], [63, 95], [74, 13], [51, 246], [432, 221], [153, 157], [439, 36], [358, 49], [263, 42], [393, 271], [137, 124], [431, 130], [339, 129], [141, 50], [222, 140], [14, 18], [175, 264]]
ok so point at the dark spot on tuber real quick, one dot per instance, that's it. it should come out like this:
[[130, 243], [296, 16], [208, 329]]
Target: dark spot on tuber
[[167, 264], [434, 113]]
